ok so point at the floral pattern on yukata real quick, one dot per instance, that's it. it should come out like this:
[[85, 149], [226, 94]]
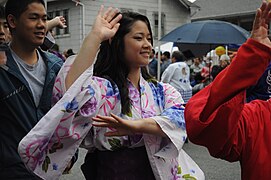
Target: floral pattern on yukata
[[50, 145]]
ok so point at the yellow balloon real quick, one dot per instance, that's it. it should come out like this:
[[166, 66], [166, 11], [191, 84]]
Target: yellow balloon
[[220, 50]]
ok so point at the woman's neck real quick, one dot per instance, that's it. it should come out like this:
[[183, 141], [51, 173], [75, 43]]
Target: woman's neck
[[134, 77]]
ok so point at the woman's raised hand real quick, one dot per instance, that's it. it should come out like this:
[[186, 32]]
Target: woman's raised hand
[[104, 27], [261, 23], [106, 23]]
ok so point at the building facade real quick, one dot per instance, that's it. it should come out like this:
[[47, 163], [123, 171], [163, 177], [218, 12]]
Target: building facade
[[239, 12], [80, 16]]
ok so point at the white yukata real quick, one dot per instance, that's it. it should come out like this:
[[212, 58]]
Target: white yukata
[[178, 75], [49, 146]]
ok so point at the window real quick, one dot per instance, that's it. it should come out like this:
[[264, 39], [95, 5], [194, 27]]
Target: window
[[155, 17], [65, 14]]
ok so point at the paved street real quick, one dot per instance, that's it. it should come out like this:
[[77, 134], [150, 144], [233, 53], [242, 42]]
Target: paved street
[[214, 169]]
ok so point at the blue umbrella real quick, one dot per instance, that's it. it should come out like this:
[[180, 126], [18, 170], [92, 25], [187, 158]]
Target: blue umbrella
[[207, 32], [198, 38]]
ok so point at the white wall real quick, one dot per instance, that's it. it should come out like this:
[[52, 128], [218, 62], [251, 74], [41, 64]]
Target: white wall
[[176, 15]]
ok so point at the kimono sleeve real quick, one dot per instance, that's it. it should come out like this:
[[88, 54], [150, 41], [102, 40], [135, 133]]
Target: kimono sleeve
[[49, 146], [59, 86], [171, 120]]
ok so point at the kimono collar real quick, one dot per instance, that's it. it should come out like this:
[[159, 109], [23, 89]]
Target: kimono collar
[[142, 84]]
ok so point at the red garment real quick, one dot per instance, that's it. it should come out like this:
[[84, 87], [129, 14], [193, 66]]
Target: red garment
[[218, 117]]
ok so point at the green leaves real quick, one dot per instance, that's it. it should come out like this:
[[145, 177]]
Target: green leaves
[[46, 164], [115, 144], [188, 177]]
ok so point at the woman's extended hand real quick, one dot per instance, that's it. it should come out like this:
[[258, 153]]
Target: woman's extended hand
[[261, 22], [121, 126], [106, 23], [105, 27]]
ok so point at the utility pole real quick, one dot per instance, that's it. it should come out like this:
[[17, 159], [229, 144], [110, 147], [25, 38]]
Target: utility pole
[[159, 37], [83, 19]]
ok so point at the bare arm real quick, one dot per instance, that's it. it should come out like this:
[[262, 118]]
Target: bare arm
[[58, 21], [105, 27], [128, 127]]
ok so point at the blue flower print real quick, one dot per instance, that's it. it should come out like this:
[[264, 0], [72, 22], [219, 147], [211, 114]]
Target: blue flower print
[[85, 125], [158, 94], [176, 115], [91, 91], [55, 167], [111, 91], [71, 106], [142, 89]]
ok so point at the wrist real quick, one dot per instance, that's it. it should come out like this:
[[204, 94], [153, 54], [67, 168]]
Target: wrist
[[94, 37], [138, 127]]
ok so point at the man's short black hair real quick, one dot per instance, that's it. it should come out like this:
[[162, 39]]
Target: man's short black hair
[[167, 54], [178, 56], [17, 7]]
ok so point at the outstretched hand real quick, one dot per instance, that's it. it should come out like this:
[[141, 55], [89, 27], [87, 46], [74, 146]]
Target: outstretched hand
[[106, 23], [58, 21], [61, 22], [261, 22], [121, 126]]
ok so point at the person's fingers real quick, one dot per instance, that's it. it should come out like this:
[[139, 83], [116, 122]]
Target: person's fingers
[[116, 20], [116, 27], [263, 6], [269, 15], [117, 118], [63, 20], [107, 13], [106, 119], [101, 124], [257, 20], [268, 9], [96, 119], [100, 12], [112, 14], [265, 11]]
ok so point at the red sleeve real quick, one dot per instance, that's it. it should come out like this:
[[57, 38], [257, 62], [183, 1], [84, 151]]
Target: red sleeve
[[214, 116]]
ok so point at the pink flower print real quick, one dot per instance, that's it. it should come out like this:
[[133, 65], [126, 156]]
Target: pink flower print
[[35, 153], [56, 97], [134, 94], [174, 172], [89, 107]]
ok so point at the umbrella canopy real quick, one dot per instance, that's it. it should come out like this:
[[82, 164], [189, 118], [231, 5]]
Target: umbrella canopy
[[207, 32]]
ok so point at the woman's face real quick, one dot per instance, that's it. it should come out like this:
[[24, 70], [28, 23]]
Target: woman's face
[[137, 45]]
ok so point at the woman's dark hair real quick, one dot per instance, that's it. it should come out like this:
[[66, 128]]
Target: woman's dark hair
[[111, 63]]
